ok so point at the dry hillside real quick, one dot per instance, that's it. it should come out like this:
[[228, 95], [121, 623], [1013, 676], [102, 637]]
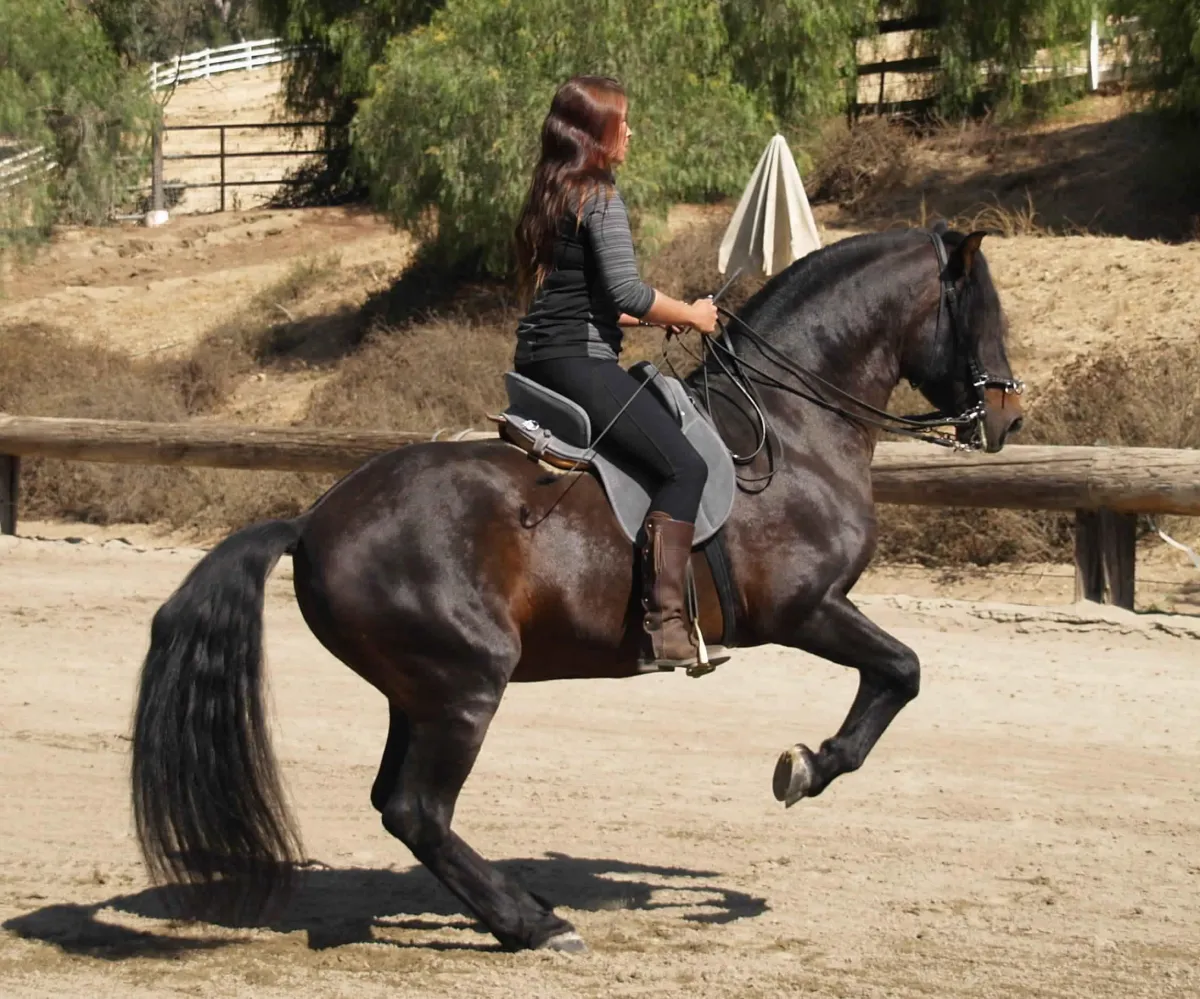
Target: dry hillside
[[284, 315]]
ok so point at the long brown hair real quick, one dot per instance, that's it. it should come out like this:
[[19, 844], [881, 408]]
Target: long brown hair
[[580, 137]]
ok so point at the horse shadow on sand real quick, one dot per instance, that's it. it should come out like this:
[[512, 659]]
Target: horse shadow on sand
[[338, 906]]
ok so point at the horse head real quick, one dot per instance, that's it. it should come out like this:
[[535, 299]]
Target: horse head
[[959, 361]]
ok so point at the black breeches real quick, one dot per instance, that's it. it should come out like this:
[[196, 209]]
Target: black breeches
[[645, 431]]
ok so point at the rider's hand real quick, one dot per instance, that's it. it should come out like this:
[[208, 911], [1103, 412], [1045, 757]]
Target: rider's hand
[[704, 315]]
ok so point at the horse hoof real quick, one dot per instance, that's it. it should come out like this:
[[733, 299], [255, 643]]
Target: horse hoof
[[795, 775], [569, 943]]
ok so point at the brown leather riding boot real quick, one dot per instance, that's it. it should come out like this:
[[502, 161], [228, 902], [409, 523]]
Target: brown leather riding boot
[[664, 580]]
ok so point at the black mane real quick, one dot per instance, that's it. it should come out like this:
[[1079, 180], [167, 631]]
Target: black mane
[[816, 271], [788, 292]]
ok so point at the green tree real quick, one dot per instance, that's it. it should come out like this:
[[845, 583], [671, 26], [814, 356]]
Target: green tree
[[63, 87], [985, 46], [338, 43], [798, 53], [449, 132], [148, 30], [1167, 47]]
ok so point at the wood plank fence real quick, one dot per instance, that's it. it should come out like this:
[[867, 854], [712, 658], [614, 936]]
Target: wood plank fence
[[905, 82], [221, 181], [1106, 487], [24, 166], [208, 62]]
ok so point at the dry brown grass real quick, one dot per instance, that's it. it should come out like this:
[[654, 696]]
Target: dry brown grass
[[1090, 167], [438, 374], [438, 364], [859, 166], [47, 373], [1148, 397], [1019, 219]]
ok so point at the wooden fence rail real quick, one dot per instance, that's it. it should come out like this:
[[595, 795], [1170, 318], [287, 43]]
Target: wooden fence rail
[[1106, 487], [1103, 58], [249, 55], [159, 186], [23, 166]]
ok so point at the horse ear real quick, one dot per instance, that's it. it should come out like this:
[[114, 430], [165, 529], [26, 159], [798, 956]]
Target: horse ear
[[963, 261], [941, 227]]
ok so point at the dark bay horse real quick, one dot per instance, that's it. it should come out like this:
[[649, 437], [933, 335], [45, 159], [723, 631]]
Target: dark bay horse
[[417, 572]]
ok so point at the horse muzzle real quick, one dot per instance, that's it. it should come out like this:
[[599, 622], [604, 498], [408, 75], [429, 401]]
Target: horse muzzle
[[1002, 415]]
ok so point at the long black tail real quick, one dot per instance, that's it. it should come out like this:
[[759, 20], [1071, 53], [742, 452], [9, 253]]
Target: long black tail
[[206, 796]]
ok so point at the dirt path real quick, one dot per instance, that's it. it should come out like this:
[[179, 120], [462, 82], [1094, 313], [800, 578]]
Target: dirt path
[[1030, 826]]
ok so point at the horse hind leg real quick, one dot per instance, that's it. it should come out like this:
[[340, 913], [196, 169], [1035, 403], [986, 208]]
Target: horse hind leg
[[889, 677], [394, 751], [418, 810]]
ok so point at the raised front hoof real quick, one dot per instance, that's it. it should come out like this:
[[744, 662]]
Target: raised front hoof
[[569, 943], [795, 775]]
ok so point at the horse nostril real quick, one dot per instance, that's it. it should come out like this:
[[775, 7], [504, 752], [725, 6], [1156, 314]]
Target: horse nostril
[[1015, 426]]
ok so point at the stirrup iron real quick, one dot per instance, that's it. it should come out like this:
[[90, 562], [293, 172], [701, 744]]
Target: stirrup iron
[[703, 665]]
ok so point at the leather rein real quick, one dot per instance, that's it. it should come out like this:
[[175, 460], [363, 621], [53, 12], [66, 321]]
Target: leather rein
[[816, 389]]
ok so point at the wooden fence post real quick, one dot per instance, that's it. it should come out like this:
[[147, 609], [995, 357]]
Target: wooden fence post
[[1105, 559], [10, 471], [222, 168]]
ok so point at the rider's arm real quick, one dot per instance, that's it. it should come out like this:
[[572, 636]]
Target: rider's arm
[[607, 223]]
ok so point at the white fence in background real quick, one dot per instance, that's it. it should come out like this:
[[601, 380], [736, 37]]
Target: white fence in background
[[891, 79], [23, 166], [201, 65]]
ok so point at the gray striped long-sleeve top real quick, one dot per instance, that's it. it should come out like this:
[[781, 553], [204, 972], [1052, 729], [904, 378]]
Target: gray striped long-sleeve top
[[594, 279]]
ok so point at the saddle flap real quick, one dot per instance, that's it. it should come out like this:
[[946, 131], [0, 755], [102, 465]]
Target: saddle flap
[[659, 387], [537, 422], [565, 419]]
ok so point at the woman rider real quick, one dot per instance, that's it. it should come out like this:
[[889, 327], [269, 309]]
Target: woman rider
[[575, 255]]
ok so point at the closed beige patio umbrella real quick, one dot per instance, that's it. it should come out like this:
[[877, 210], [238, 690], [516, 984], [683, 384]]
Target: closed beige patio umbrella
[[773, 225]]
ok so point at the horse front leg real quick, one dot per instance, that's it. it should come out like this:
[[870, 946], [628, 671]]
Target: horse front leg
[[889, 677]]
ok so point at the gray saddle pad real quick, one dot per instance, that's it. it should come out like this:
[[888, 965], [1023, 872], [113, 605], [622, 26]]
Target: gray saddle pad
[[564, 429]]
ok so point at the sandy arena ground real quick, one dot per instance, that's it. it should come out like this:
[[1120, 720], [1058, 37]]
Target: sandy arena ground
[[1029, 827]]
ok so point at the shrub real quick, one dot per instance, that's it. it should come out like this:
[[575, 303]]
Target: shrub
[[798, 54], [1167, 47], [473, 87], [62, 87], [861, 164]]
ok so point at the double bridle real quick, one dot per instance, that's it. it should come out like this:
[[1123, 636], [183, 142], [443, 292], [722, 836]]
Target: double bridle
[[816, 389], [981, 381]]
